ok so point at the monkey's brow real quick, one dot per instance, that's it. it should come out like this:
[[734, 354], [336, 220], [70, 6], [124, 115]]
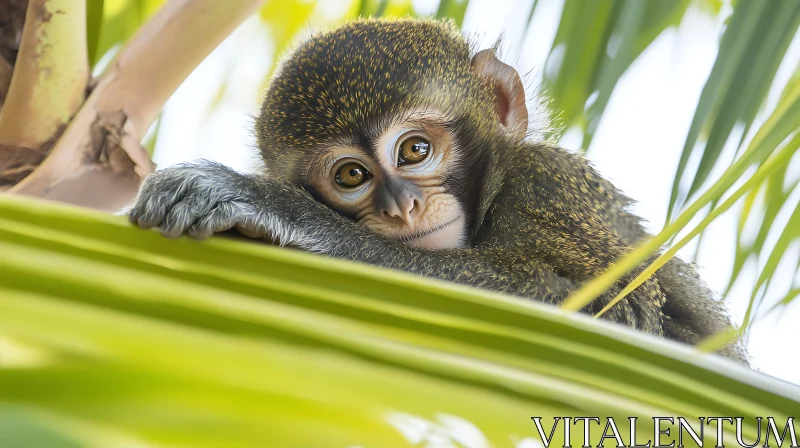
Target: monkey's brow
[[427, 121]]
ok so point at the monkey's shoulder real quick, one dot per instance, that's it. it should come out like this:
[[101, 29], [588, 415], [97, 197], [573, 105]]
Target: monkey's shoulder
[[556, 177], [550, 195]]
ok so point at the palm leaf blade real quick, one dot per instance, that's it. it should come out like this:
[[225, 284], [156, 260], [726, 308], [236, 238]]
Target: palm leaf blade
[[722, 102], [296, 339]]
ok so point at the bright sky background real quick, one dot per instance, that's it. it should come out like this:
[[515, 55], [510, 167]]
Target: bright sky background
[[637, 145]]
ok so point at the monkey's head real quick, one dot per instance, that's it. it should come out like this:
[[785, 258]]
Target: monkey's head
[[394, 124]]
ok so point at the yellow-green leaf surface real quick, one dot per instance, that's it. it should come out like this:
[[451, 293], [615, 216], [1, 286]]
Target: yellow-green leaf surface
[[132, 337]]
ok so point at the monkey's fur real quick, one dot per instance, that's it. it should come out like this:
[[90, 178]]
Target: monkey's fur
[[541, 221]]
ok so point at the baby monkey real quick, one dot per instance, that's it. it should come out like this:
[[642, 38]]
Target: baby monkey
[[391, 142]]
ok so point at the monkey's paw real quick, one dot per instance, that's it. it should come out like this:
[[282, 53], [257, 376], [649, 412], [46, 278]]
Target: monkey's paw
[[199, 199]]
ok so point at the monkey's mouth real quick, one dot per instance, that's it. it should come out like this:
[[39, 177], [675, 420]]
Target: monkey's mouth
[[413, 236]]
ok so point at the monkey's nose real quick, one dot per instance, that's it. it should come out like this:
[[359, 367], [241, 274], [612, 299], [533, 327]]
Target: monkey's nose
[[404, 208]]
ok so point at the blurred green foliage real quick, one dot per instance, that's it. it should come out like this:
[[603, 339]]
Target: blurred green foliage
[[113, 22]]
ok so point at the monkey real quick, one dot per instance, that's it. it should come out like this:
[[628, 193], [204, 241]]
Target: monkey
[[393, 142]]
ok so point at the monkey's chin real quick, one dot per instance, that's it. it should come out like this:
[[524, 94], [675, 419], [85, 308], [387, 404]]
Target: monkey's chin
[[450, 236]]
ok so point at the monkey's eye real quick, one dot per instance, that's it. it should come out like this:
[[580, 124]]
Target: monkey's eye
[[351, 175], [413, 150]]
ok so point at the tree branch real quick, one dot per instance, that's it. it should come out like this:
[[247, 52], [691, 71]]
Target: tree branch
[[98, 162], [48, 83]]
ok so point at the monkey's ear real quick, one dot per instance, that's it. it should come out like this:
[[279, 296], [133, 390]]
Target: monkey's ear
[[509, 94]]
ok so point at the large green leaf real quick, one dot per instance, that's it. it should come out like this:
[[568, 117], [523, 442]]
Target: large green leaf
[[234, 344]]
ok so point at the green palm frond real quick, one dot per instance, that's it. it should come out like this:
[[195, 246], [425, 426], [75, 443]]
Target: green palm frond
[[752, 47], [761, 210], [224, 343]]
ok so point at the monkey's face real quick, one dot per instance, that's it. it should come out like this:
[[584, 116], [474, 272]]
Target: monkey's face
[[396, 125], [396, 184]]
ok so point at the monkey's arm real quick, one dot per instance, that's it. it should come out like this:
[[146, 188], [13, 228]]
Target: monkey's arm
[[204, 198]]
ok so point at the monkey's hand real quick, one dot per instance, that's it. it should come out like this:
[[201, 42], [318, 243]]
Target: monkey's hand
[[204, 197], [199, 198]]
